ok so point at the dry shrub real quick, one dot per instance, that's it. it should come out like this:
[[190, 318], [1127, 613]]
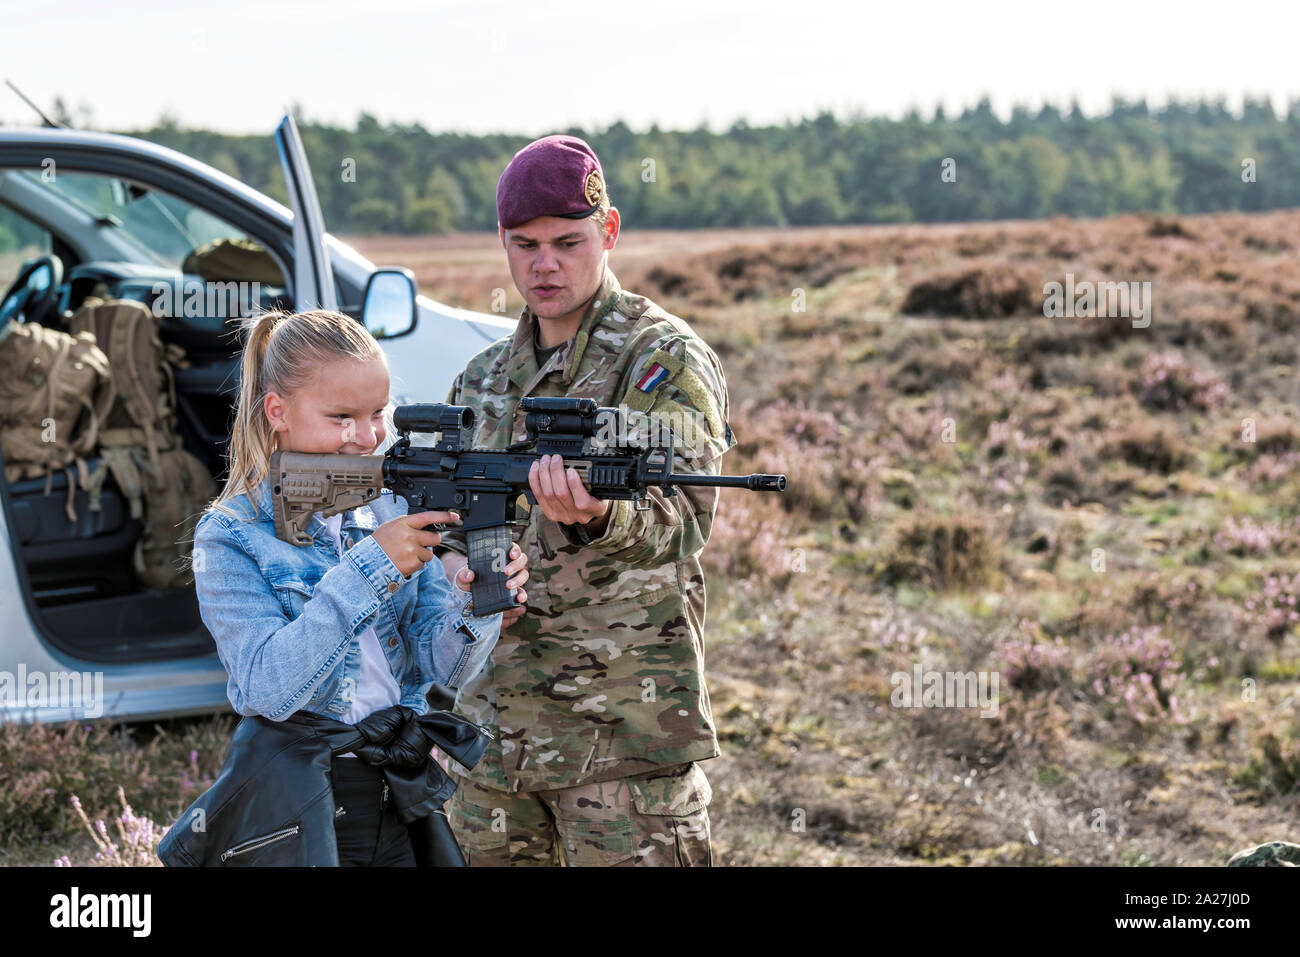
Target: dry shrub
[[1133, 676], [1274, 435], [139, 837], [1266, 244], [751, 273], [43, 766], [1278, 308], [1161, 228], [1246, 537], [1157, 597], [827, 457], [1273, 769], [1272, 607], [1149, 446], [925, 366], [747, 544], [1033, 663], [1271, 469], [1214, 324], [744, 273], [980, 244], [1136, 675], [686, 284], [1273, 453], [1065, 247], [989, 291], [942, 552], [1170, 383]]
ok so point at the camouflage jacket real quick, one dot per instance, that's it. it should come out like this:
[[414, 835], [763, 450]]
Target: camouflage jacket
[[603, 677]]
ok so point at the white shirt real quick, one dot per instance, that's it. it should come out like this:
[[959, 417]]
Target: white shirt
[[376, 686]]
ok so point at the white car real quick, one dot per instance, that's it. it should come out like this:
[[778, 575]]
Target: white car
[[121, 216]]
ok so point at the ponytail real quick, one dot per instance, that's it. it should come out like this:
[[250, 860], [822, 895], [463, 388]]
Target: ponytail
[[282, 353]]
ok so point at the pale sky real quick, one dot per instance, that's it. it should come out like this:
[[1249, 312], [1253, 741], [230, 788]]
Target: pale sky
[[534, 67]]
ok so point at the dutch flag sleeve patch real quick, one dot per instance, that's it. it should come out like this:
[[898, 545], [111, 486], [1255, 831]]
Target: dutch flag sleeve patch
[[652, 377]]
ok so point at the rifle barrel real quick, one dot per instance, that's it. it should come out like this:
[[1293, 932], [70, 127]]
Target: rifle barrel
[[756, 482]]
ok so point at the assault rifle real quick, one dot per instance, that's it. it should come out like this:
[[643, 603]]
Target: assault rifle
[[483, 485]]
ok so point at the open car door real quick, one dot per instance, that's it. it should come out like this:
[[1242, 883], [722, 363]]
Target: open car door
[[314, 286]]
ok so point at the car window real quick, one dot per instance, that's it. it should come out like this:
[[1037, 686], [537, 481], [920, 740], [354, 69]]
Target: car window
[[20, 240], [168, 231]]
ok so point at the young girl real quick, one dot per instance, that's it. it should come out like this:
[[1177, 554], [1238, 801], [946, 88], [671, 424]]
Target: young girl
[[355, 622]]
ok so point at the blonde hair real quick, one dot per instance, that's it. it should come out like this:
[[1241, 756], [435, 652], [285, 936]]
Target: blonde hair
[[601, 212], [283, 352]]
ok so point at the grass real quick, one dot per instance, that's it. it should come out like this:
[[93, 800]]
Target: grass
[[966, 485]]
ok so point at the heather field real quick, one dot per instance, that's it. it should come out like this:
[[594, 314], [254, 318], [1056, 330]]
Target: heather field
[[1103, 511], [1099, 511]]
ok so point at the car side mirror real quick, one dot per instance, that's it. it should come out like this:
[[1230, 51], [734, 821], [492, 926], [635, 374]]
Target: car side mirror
[[388, 308]]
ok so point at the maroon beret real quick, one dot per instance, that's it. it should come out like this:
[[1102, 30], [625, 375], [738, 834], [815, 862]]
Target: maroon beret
[[554, 176]]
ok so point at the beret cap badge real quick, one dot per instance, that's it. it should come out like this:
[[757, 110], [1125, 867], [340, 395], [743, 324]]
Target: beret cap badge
[[593, 188]]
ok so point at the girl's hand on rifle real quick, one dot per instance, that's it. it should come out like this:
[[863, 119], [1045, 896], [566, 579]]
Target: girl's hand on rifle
[[406, 543], [518, 568]]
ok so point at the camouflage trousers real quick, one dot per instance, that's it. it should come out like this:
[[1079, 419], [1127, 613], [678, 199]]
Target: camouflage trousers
[[657, 819]]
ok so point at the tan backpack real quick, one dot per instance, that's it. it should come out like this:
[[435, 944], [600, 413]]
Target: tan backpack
[[166, 486], [174, 492], [55, 392]]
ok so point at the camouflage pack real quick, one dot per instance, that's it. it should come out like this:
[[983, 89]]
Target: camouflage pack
[[166, 486], [55, 392]]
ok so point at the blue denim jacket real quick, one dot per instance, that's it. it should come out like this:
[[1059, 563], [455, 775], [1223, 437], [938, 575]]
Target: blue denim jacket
[[286, 618]]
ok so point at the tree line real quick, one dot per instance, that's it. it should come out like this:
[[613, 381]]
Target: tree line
[[1183, 157]]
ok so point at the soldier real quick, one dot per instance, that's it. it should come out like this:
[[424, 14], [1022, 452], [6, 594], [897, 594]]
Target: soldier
[[596, 690]]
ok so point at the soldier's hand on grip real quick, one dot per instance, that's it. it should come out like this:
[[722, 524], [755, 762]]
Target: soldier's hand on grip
[[561, 494]]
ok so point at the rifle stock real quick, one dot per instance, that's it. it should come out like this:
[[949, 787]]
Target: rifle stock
[[307, 482]]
